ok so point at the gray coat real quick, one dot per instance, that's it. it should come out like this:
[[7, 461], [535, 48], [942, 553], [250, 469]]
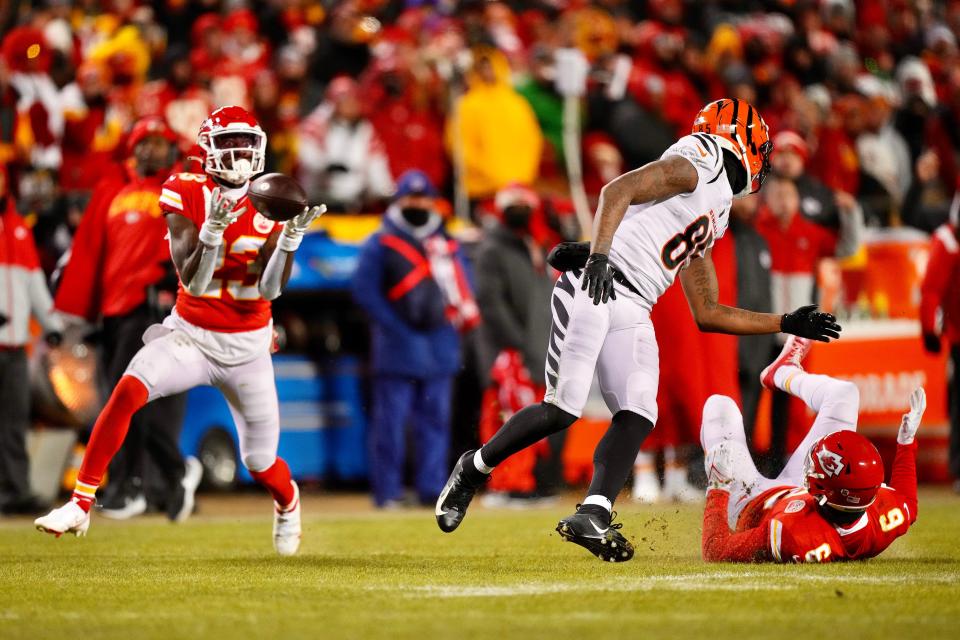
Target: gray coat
[[514, 300]]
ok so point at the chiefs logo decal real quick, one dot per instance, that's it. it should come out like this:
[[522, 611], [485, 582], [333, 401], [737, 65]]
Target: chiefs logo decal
[[830, 462], [262, 224]]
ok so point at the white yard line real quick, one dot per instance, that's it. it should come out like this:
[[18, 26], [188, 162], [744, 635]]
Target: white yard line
[[724, 581]]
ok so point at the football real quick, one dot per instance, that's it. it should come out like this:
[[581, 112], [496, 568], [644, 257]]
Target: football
[[277, 196]]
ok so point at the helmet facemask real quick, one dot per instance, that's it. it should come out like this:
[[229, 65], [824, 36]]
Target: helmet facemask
[[234, 153]]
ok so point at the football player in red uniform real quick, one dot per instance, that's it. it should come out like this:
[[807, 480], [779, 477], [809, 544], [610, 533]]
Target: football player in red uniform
[[830, 502], [232, 262]]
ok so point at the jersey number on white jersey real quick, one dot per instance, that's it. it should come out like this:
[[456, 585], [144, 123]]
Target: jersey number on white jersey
[[688, 244]]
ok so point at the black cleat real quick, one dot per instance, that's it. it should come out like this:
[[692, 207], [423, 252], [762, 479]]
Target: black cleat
[[456, 495], [596, 536]]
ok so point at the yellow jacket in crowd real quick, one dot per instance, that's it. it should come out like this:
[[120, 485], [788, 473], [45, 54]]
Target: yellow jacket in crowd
[[497, 132]]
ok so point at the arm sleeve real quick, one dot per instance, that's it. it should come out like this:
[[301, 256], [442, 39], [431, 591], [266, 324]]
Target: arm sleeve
[[903, 477], [367, 288], [79, 291], [934, 285], [719, 544], [506, 331], [271, 280], [41, 304]]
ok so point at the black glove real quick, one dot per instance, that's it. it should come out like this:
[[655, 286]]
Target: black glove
[[3, 319], [568, 256], [807, 322], [53, 338], [931, 343], [598, 279]]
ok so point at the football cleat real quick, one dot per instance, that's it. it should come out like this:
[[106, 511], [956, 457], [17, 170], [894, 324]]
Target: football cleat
[[181, 507], [456, 495], [792, 355], [286, 525], [599, 538], [69, 518], [126, 507]]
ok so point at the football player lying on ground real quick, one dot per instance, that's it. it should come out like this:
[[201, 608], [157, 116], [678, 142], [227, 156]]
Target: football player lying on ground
[[653, 225], [232, 261], [829, 503]]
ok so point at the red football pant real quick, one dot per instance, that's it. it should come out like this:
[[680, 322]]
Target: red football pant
[[108, 434]]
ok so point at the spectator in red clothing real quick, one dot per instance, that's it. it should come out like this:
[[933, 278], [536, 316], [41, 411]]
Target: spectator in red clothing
[[405, 117], [796, 248], [940, 292]]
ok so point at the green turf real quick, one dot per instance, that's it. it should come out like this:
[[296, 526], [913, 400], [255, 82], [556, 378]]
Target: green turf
[[504, 574]]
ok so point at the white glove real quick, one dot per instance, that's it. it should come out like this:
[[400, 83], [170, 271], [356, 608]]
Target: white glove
[[911, 419], [295, 227], [222, 213], [719, 467]]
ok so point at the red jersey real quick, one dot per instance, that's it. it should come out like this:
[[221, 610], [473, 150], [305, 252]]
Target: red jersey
[[784, 524], [232, 302], [119, 251]]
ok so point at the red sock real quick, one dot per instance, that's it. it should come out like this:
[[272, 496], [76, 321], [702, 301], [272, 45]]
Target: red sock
[[277, 481], [108, 433]]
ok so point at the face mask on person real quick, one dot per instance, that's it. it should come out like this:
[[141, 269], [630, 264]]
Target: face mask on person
[[517, 217], [416, 216]]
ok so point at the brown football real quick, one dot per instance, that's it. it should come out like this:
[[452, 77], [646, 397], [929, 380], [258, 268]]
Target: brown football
[[277, 196]]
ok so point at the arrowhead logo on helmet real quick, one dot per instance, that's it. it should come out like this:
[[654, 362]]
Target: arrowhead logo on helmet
[[843, 470]]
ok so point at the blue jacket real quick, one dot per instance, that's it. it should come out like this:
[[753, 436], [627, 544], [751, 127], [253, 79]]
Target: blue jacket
[[409, 336]]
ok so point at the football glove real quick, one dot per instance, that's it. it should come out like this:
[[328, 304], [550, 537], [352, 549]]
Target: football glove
[[911, 419], [598, 279], [807, 322], [718, 464], [295, 227], [222, 212], [568, 256]]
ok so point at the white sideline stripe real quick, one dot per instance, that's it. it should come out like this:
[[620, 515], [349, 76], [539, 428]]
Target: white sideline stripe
[[748, 581]]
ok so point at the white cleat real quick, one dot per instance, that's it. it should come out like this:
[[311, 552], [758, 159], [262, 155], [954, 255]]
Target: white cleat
[[69, 518], [192, 475], [792, 355], [646, 486], [286, 525]]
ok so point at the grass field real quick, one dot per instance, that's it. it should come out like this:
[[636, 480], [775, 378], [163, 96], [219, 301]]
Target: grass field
[[504, 574]]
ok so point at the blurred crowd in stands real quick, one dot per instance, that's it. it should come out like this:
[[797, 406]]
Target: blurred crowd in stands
[[862, 98]]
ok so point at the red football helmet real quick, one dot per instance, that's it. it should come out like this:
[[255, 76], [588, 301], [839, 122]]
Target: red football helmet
[[740, 129], [233, 143], [843, 470]]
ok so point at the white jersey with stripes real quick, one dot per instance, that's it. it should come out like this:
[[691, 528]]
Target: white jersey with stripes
[[656, 239]]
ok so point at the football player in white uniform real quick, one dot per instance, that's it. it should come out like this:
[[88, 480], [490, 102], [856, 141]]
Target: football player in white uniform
[[652, 223]]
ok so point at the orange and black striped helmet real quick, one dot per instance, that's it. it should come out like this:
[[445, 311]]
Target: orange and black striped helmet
[[740, 129]]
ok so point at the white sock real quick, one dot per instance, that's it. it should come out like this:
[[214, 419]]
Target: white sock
[[480, 464], [600, 501], [816, 391]]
